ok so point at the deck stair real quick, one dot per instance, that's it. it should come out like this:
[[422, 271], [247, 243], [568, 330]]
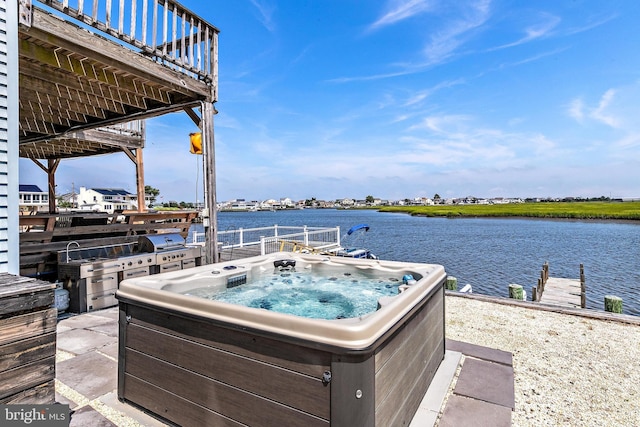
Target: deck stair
[[563, 292]]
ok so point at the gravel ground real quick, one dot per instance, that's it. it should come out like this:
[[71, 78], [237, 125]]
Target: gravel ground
[[569, 370]]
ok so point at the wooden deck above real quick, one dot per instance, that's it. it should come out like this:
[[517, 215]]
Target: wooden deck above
[[94, 72], [87, 69]]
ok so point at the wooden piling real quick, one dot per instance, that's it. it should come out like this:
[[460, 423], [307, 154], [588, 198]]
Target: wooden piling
[[583, 288], [516, 292], [613, 304], [452, 283]]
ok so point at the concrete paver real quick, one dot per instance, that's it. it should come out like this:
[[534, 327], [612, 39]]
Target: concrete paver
[[486, 381], [91, 374], [87, 416], [462, 411], [110, 329], [480, 352], [110, 350], [80, 341], [83, 321]]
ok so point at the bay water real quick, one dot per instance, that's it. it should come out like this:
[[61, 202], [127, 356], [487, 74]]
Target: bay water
[[488, 253]]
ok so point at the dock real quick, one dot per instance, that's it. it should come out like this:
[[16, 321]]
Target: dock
[[558, 291]]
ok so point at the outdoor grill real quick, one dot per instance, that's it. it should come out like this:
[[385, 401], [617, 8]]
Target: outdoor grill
[[160, 242], [136, 265], [171, 251], [92, 275]]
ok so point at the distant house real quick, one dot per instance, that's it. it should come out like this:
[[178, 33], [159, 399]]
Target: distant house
[[239, 205], [68, 199], [32, 199], [107, 200], [286, 202]]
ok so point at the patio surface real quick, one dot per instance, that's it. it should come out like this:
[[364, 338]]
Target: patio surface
[[475, 384]]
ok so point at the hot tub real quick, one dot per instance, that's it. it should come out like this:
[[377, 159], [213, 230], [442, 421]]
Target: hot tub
[[198, 361]]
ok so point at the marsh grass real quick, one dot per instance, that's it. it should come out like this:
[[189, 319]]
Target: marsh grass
[[573, 210]]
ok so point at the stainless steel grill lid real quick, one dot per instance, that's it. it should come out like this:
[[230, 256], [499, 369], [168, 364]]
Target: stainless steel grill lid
[[160, 242]]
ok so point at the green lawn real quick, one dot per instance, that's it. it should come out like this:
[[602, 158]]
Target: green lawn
[[574, 210]]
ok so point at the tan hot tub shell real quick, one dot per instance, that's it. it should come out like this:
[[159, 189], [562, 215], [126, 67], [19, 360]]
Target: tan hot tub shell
[[196, 361]]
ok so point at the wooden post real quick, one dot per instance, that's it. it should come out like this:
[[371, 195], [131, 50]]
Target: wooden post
[[142, 206], [516, 292], [210, 219], [546, 271], [539, 290], [583, 288], [541, 280], [612, 304], [51, 175], [452, 283], [534, 294]]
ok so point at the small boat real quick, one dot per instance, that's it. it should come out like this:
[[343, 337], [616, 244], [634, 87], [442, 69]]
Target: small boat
[[355, 251]]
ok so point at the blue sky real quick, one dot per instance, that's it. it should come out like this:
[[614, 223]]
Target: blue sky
[[405, 98]]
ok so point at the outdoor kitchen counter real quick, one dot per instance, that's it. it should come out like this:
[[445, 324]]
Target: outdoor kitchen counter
[[92, 274]]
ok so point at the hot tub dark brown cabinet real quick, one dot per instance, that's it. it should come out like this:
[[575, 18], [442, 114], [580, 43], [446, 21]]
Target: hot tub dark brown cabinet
[[196, 371], [27, 340]]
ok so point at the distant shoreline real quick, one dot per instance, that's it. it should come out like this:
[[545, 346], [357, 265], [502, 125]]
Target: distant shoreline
[[577, 211], [515, 217]]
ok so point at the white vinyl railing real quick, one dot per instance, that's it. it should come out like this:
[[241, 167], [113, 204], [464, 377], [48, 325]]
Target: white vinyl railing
[[163, 29], [277, 238]]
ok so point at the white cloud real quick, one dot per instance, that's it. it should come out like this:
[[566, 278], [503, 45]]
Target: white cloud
[[442, 124], [399, 10], [600, 113], [576, 109], [417, 98], [265, 14], [420, 96], [456, 32], [631, 141], [539, 30], [542, 144], [590, 26]]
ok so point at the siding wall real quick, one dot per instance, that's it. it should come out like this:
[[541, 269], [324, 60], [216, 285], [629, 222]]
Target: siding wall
[[9, 253]]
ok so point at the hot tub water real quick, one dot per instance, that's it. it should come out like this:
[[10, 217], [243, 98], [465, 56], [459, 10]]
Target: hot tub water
[[308, 294]]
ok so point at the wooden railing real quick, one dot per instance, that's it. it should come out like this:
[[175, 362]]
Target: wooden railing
[[162, 29]]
